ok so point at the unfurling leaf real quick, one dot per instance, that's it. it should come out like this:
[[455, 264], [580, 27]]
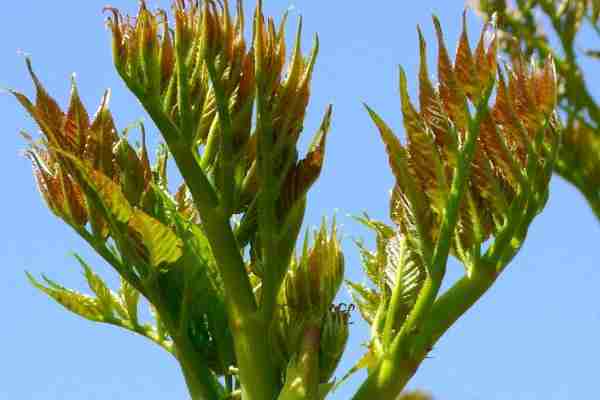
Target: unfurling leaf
[[106, 299], [130, 298], [404, 274], [314, 278], [155, 242]]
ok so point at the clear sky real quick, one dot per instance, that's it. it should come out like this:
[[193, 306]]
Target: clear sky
[[533, 336]]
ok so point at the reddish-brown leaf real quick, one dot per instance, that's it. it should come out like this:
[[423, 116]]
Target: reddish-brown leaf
[[464, 65], [520, 90], [425, 160], [75, 202], [430, 103], [101, 139], [76, 123], [545, 87], [451, 93], [47, 110]]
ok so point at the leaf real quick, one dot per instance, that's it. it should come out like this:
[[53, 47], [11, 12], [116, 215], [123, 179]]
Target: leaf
[[485, 61], [367, 300], [374, 262], [520, 91], [133, 176], [413, 215], [504, 115], [498, 150], [106, 299], [156, 243], [451, 93], [302, 176], [80, 304], [324, 389], [545, 82], [48, 184], [430, 103], [101, 139], [130, 298], [404, 272], [398, 158], [486, 183], [74, 201], [76, 122], [47, 112], [424, 155], [368, 360], [62, 195], [103, 189], [464, 65]]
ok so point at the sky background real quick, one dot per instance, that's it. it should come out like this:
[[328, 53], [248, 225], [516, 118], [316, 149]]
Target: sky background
[[533, 335]]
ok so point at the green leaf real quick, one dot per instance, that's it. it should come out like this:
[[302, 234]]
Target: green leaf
[[130, 298], [374, 262], [159, 244], [405, 274], [367, 300], [110, 195], [78, 303], [105, 298]]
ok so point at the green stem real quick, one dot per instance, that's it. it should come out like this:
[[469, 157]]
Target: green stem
[[259, 379], [226, 141], [442, 249], [302, 378], [267, 197], [258, 376], [394, 373], [200, 381], [454, 303], [400, 362]]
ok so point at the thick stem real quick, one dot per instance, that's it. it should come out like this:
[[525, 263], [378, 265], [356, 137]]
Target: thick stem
[[259, 378], [387, 380], [392, 374], [200, 381], [454, 303]]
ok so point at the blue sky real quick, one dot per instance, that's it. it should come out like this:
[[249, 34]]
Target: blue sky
[[533, 336]]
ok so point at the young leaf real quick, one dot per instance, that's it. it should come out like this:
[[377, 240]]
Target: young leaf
[[80, 304], [157, 243]]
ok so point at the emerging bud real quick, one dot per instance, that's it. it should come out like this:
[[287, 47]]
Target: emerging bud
[[134, 169], [307, 294], [314, 279], [334, 336]]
